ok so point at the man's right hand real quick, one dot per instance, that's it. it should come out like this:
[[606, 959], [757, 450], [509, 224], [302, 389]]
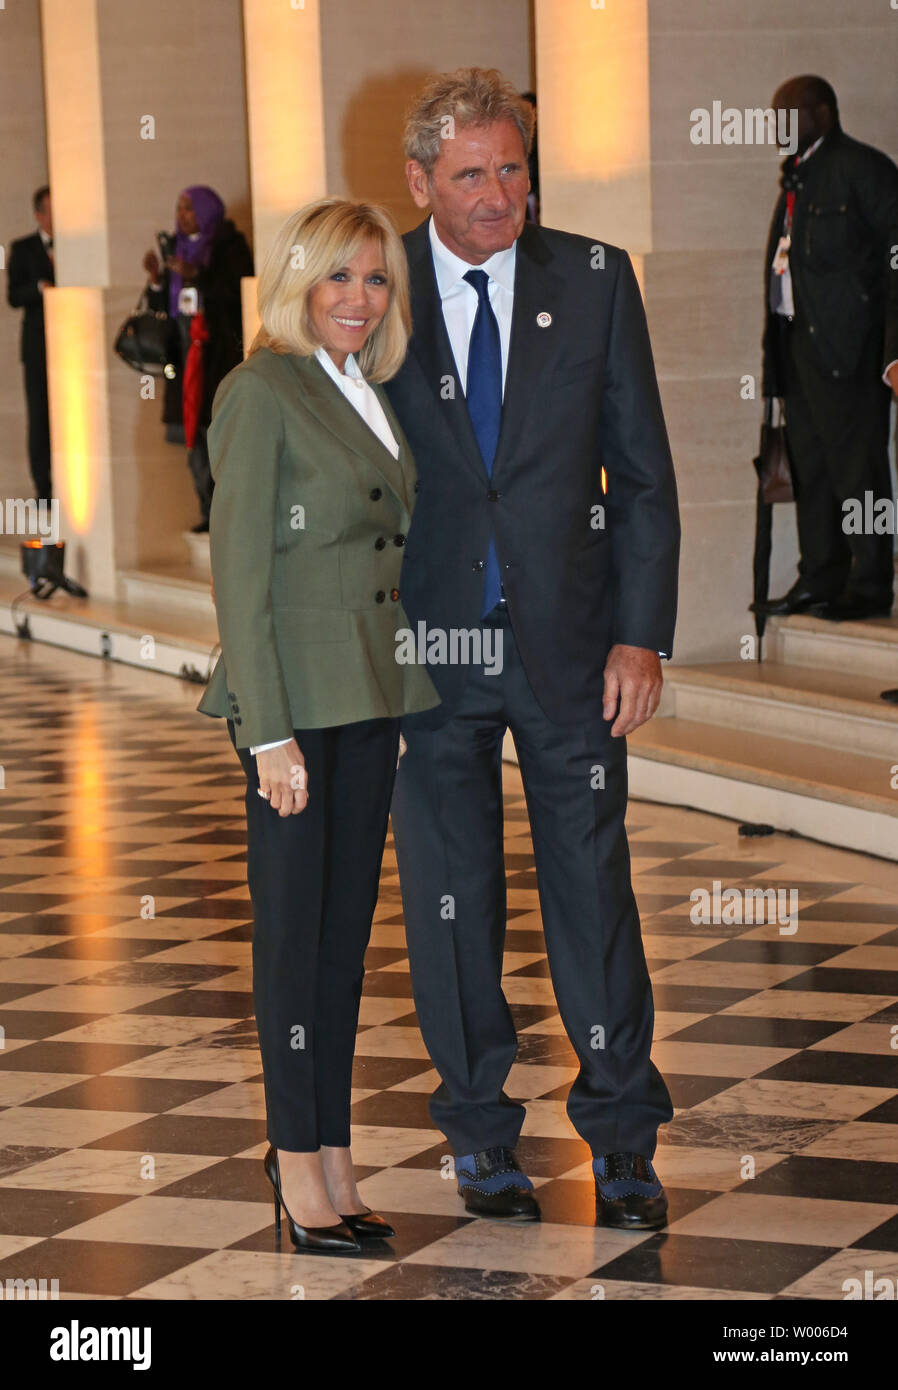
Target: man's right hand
[[283, 778], [151, 265]]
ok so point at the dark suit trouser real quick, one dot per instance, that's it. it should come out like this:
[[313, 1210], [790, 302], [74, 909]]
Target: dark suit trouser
[[201, 472], [37, 400], [838, 433], [448, 826], [313, 881]]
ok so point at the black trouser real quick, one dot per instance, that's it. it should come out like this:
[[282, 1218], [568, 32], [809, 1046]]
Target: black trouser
[[448, 827], [201, 471], [838, 433], [38, 423], [313, 881]]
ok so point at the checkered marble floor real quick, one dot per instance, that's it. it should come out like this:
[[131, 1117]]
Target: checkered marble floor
[[131, 1103]]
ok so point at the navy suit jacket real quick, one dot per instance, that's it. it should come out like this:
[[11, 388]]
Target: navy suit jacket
[[28, 263], [580, 396]]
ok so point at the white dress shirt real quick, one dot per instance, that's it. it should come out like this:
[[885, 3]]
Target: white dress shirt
[[46, 238], [786, 306], [359, 394], [460, 300]]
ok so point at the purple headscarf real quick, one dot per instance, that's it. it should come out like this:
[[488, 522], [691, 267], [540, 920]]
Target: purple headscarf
[[209, 211]]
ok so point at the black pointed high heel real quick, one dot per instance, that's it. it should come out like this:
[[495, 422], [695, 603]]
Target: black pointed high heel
[[311, 1240], [367, 1225]]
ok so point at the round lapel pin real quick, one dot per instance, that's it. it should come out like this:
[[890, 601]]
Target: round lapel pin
[[544, 320]]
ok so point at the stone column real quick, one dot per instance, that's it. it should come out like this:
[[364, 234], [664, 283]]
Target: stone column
[[74, 309]]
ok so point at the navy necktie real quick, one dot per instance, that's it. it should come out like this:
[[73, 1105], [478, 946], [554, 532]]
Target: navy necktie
[[484, 398]]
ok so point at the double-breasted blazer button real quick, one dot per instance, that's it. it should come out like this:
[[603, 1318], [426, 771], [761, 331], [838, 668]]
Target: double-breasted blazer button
[[493, 495], [379, 596], [399, 539], [476, 564], [235, 708], [394, 595], [379, 543], [417, 485], [375, 494], [238, 720]]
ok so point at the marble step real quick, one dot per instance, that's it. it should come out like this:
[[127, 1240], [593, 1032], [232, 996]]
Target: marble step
[[840, 798], [198, 552], [167, 638], [178, 587], [869, 648], [814, 705]]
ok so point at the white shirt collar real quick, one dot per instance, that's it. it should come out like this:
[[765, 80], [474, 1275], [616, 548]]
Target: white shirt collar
[[450, 269], [351, 368], [45, 236], [810, 150]]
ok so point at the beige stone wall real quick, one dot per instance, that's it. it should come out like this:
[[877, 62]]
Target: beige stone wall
[[181, 64], [738, 52], [711, 207], [376, 54], [617, 86]]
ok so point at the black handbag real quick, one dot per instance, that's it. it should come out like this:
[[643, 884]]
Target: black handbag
[[145, 341], [773, 465]]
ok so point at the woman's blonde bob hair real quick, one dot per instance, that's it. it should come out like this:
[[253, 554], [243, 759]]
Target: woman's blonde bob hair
[[315, 242]]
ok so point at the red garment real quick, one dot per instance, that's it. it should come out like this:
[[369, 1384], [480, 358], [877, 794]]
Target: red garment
[[192, 389]]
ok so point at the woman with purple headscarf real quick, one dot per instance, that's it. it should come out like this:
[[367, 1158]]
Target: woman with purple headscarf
[[198, 283]]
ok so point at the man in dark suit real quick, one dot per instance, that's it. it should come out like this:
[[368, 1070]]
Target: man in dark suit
[[529, 383], [30, 270], [831, 353]]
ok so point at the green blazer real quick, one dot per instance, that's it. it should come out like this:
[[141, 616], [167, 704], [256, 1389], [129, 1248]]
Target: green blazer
[[309, 516]]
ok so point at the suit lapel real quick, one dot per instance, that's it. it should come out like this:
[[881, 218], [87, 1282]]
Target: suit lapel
[[433, 351], [405, 461], [327, 403], [534, 349]]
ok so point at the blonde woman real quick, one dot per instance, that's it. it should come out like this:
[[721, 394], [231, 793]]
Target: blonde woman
[[314, 490]]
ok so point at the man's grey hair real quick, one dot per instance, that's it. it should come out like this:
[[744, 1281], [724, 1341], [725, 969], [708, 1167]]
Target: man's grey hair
[[466, 97]]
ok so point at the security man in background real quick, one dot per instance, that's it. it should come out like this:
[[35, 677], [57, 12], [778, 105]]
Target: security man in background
[[831, 351], [30, 270]]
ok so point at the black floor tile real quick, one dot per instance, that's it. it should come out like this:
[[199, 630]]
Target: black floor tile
[[707, 1262], [836, 1179]]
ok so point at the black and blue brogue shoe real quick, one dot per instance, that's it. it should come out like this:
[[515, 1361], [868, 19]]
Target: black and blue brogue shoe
[[492, 1184], [629, 1194]]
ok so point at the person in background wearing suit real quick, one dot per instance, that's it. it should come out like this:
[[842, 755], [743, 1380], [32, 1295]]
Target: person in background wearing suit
[[533, 164], [529, 382], [31, 268], [199, 288], [314, 490], [831, 351]]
